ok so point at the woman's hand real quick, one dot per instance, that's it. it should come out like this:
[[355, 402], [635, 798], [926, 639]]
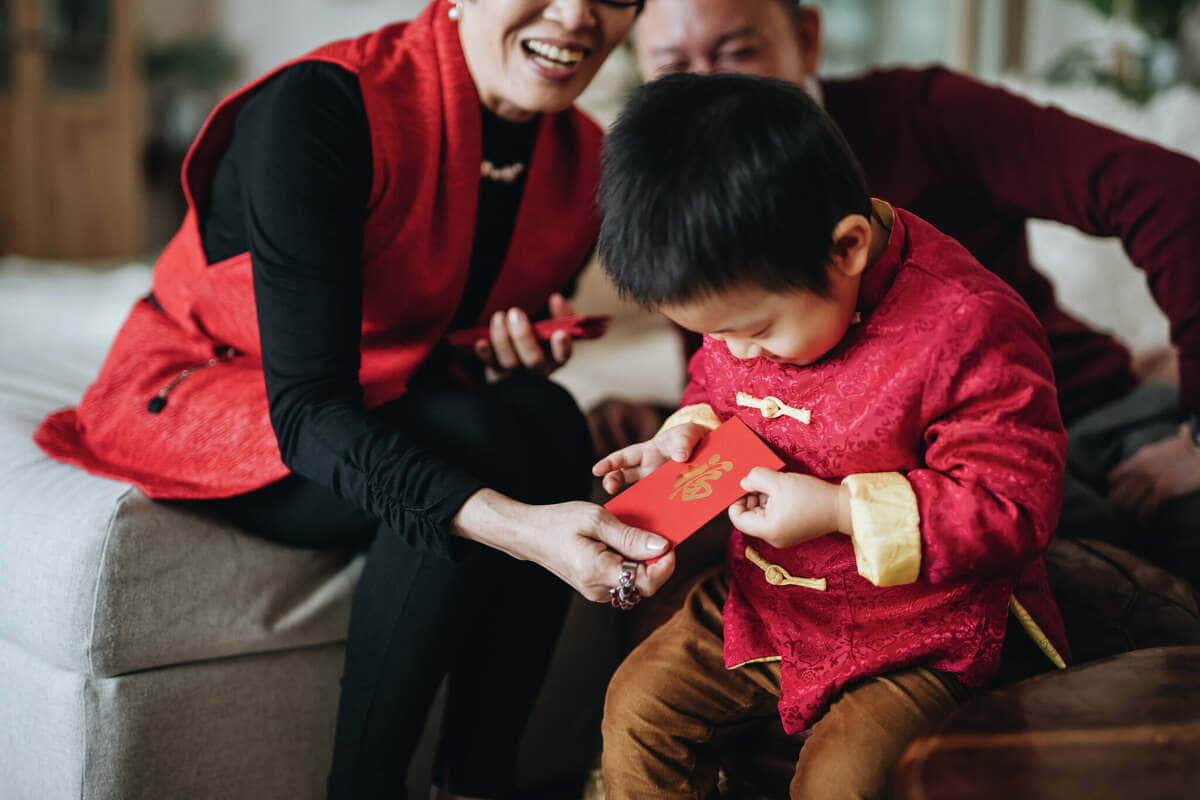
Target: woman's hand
[[631, 464], [513, 345], [581, 543], [785, 508]]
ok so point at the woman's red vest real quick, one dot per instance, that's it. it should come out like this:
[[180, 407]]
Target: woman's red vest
[[214, 438]]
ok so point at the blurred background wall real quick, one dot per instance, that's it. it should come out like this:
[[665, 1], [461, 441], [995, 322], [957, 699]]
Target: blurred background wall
[[100, 98]]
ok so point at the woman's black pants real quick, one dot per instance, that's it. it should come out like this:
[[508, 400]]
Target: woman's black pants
[[486, 622]]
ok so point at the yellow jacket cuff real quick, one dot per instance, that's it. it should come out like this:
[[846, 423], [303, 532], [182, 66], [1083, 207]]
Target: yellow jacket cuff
[[701, 414], [887, 528]]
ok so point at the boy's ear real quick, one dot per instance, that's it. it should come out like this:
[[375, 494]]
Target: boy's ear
[[851, 249]]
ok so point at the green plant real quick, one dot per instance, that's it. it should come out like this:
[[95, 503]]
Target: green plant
[[193, 62], [1158, 18], [1136, 73]]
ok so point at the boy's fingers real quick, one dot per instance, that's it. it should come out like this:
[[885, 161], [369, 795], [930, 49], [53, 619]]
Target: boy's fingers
[[628, 456], [631, 475], [761, 480], [736, 512], [678, 442], [753, 521]]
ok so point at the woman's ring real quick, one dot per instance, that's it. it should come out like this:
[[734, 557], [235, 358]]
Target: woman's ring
[[625, 595]]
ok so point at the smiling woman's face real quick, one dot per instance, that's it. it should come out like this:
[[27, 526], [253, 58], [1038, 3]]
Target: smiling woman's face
[[537, 56]]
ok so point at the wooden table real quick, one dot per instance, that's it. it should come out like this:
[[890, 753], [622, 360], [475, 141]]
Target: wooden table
[[1125, 727]]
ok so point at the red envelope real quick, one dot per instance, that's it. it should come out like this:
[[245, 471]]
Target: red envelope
[[580, 326], [677, 499]]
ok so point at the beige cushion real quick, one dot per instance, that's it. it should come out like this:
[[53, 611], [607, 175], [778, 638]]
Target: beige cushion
[[99, 579], [96, 578]]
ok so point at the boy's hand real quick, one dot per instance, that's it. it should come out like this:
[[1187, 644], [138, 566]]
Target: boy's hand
[[631, 464], [785, 508]]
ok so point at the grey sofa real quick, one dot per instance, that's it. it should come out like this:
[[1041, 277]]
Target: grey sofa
[[148, 652]]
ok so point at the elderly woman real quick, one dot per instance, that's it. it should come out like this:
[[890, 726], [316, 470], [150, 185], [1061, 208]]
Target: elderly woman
[[290, 371]]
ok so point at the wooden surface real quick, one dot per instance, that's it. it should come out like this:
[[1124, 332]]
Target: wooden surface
[[71, 187], [1124, 727]]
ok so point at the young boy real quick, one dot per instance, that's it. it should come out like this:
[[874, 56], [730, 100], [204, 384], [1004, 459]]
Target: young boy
[[909, 392]]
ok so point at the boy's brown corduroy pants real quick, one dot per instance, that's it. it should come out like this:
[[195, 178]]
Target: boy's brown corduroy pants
[[673, 709]]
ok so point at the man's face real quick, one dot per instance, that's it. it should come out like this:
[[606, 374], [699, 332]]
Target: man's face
[[757, 37]]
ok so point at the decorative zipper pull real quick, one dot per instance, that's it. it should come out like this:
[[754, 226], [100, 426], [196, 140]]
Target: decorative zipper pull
[[159, 401], [773, 407], [778, 576]]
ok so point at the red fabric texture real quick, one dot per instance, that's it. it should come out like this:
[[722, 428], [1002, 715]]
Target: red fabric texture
[[214, 438], [978, 162], [948, 382]]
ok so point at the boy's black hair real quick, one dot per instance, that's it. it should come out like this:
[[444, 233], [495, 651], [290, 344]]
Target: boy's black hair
[[714, 182]]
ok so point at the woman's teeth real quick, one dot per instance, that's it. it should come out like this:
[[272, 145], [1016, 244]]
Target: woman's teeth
[[553, 56]]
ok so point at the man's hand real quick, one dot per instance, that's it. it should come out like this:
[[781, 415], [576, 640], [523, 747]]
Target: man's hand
[[785, 508], [631, 464], [1159, 471], [617, 423]]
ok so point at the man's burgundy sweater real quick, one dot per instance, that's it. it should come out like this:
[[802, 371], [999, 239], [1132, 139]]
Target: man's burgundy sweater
[[977, 162]]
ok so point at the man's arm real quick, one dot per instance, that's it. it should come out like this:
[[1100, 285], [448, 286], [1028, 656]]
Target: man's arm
[[1044, 163]]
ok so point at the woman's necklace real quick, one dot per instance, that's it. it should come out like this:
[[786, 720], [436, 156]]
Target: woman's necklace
[[505, 174]]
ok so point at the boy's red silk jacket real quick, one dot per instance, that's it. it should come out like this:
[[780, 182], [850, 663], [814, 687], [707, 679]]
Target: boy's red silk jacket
[[214, 438], [944, 386]]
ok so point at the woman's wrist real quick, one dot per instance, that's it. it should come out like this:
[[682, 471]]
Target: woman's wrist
[[492, 519]]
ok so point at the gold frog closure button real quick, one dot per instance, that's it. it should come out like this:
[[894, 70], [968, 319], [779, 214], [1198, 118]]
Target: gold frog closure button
[[773, 407], [778, 576]]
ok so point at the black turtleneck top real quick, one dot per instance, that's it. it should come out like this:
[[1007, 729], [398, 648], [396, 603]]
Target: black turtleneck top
[[292, 189]]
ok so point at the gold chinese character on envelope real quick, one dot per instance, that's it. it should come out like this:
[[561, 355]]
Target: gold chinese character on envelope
[[696, 483], [714, 483]]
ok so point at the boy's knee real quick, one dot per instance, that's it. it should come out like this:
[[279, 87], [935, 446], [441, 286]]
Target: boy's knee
[[855, 746], [637, 709], [624, 703], [837, 766]]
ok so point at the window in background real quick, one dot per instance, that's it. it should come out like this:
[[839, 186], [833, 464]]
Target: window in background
[[77, 37]]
